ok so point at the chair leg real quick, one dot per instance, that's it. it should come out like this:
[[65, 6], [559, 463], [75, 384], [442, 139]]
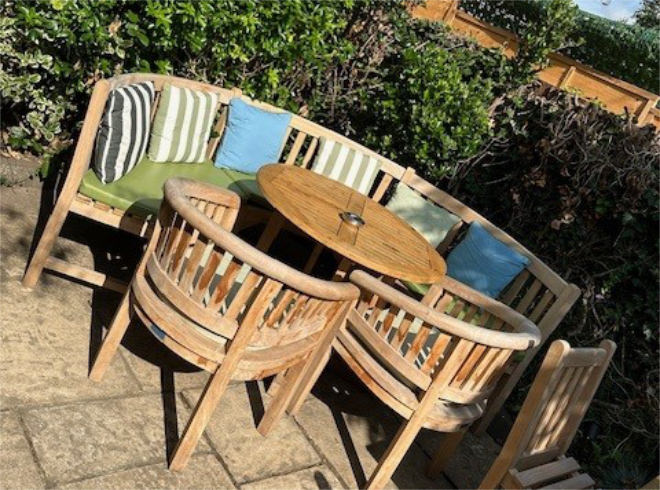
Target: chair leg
[[496, 473], [213, 391], [276, 384], [282, 397], [306, 383], [444, 453], [395, 453], [112, 339], [46, 242]]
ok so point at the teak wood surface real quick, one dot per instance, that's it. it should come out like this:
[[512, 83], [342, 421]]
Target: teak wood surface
[[385, 243], [534, 454]]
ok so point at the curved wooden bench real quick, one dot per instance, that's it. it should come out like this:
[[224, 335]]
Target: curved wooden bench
[[537, 293], [225, 306]]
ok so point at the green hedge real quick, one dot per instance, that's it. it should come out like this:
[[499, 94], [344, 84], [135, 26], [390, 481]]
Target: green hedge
[[627, 52], [578, 186]]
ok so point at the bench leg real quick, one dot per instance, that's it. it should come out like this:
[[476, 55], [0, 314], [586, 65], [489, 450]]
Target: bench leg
[[112, 339], [46, 241]]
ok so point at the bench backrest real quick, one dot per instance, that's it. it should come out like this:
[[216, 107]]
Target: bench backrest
[[537, 293], [301, 139]]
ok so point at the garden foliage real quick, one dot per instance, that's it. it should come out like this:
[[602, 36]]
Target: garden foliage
[[574, 183], [627, 52], [579, 186]]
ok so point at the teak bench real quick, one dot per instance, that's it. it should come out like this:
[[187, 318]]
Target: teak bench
[[538, 292]]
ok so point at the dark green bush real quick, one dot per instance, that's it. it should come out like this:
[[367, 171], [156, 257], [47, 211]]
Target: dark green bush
[[579, 186], [628, 52]]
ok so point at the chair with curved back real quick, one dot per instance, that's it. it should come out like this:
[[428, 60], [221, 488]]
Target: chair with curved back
[[434, 364], [224, 306]]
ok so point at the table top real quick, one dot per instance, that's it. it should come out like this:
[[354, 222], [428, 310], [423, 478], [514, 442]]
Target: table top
[[384, 243]]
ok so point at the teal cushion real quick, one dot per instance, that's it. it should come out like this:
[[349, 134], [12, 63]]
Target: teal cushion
[[431, 221], [483, 262], [141, 190], [253, 137]]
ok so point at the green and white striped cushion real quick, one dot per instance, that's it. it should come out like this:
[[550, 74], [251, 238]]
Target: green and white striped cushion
[[343, 164], [181, 128]]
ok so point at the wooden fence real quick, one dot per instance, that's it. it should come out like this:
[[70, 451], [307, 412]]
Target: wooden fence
[[615, 95]]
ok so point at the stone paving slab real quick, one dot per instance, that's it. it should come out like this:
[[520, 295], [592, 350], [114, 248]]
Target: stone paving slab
[[45, 333], [17, 466], [319, 477], [94, 438], [352, 430], [44, 352], [247, 454], [470, 462], [202, 472]]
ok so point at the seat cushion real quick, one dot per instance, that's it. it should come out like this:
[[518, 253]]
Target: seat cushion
[[141, 190], [483, 262], [253, 137], [417, 287], [247, 182]]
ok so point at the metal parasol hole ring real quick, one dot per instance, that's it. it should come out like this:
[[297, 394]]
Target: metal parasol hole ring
[[352, 218]]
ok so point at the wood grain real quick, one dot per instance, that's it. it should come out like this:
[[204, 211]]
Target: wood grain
[[385, 243]]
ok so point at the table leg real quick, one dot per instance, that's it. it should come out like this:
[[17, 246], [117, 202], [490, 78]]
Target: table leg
[[273, 227]]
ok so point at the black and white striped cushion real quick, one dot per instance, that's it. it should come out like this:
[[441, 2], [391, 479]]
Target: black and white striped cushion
[[122, 138]]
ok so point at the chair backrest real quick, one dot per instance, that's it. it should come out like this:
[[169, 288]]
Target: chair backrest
[[199, 283], [556, 403], [416, 344]]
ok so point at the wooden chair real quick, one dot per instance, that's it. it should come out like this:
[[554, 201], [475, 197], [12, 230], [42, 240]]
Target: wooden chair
[[534, 454], [434, 364], [538, 293], [225, 306]]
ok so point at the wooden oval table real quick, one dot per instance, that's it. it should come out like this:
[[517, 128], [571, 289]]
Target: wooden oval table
[[382, 242]]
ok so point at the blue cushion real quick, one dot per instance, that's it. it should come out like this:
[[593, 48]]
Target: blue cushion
[[253, 137], [483, 262]]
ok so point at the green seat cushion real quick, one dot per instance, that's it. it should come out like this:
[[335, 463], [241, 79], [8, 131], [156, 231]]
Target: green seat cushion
[[141, 190], [416, 287], [247, 182]]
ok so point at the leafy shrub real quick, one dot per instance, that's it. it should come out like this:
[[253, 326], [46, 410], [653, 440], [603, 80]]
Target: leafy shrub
[[427, 112], [430, 108], [283, 52], [628, 52], [579, 186]]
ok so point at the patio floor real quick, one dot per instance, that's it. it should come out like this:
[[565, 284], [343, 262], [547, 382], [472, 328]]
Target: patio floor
[[59, 429]]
